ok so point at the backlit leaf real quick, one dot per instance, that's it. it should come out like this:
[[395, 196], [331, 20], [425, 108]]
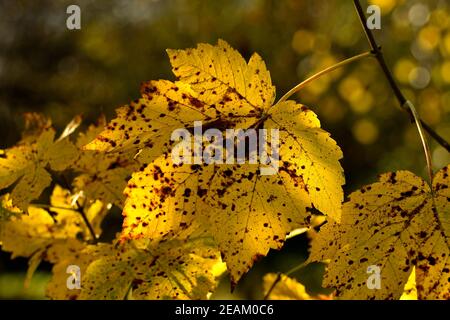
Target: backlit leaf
[[102, 176], [394, 224], [285, 289], [232, 202], [25, 166], [173, 270], [47, 234]]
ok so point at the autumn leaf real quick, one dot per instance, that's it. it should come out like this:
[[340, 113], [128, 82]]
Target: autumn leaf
[[102, 176], [395, 224], [176, 269], [68, 205], [63, 256], [287, 289], [232, 92], [233, 202], [25, 166]]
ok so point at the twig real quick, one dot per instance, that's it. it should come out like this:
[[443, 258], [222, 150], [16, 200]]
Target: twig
[[60, 179], [376, 50], [79, 209], [88, 224]]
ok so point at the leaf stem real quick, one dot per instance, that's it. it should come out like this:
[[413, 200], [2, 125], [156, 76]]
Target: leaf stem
[[425, 145], [127, 293], [296, 268], [278, 278], [47, 206], [323, 72], [376, 50]]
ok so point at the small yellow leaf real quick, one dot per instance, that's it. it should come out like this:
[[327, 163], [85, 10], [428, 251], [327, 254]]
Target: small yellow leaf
[[410, 289], [7, 210], [35, 124], [287, 289], [26, 165]]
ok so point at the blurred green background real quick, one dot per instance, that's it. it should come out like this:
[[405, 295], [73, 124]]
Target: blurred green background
[[45, 67]]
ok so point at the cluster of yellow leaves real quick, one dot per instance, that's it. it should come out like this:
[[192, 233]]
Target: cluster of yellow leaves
[[29, 167], [64, 232], [246, 213], [174, 270], [397, 224], [180, 220], [49, 234]]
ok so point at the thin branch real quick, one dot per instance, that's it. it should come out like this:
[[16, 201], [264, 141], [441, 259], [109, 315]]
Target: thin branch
[[376, 49], [435, 136], [60, 179], [88, 224], [323, 72], [79, 209]]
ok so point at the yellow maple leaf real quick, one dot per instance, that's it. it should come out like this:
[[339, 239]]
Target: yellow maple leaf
[[26, 165], [387, 229], [216, 86]]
